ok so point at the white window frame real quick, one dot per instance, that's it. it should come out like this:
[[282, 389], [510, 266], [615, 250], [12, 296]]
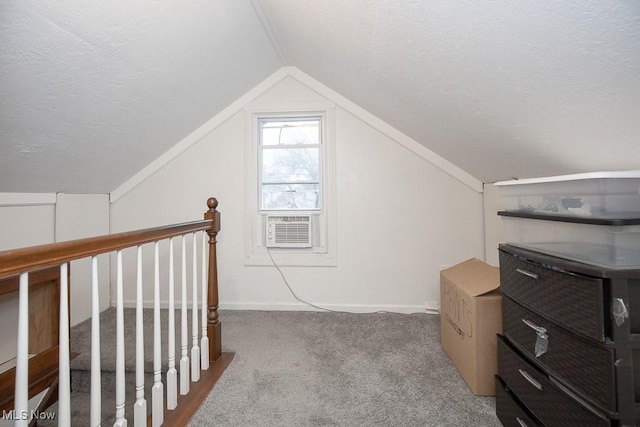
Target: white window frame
[[262, 148], [323, 251]]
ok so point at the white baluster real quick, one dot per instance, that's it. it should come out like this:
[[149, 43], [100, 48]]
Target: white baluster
[[157, 392], [140, 407], [21, 396], [64, 378], [184, 361], [172, 380], [121, 421], [195, 346], [96, 393], [204, 341]]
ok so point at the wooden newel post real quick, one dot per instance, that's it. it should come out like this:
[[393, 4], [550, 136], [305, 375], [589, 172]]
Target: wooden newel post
[[213, 320]]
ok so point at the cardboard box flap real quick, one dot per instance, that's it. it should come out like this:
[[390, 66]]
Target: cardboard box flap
[[473, 276]]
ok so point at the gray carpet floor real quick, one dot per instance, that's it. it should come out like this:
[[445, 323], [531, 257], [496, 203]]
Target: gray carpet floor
[[307, 369], [338, 369]]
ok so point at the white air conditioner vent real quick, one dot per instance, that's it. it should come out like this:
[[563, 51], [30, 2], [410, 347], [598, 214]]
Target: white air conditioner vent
[[288, 231]]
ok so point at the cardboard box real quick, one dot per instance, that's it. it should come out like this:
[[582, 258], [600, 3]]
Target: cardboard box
[[470, 317]]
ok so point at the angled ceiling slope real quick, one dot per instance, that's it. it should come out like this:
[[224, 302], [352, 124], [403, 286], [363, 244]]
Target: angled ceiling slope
[[500, 89], [91, 93]]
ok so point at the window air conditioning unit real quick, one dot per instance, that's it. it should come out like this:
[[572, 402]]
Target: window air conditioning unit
[[288, 231]]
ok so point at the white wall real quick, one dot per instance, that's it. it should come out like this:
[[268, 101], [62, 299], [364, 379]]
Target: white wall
[[399, 219], [25, 222], [494, 233], [26, 225]]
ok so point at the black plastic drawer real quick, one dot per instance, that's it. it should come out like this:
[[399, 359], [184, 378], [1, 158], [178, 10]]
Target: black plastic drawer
[[547, 401], [573, 301], [509, 410], [586, 366]]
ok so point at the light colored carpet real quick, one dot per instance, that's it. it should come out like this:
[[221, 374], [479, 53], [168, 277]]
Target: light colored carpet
[[307, 369], [336, 369]]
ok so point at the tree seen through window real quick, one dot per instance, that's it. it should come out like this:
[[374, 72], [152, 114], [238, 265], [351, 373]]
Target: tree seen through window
[[290, 163]]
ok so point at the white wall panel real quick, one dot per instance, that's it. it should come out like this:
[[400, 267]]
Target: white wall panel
[[399, 219], [26, 226], [20, 226]]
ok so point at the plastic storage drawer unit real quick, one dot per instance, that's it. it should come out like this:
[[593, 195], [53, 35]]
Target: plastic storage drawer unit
[[570, 354]]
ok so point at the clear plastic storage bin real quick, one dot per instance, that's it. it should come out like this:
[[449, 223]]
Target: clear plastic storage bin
[[598, 194], [616, 245]]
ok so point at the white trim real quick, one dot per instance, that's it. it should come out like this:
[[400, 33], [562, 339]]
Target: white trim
[[198, 134], [351, 308], [388, 130], [359, 112], [296, 306], [323, 253], [27, 199]]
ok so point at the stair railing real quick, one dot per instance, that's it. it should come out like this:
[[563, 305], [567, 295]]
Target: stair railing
[[198, 371]]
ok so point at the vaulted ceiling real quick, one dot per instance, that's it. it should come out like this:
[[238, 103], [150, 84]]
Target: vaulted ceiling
[[92, 92]]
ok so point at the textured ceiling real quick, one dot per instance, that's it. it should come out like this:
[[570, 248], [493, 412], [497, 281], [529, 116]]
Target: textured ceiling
[[90, 93], [500, 88]]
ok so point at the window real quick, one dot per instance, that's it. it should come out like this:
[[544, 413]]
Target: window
[[290, 163], [290, 174]]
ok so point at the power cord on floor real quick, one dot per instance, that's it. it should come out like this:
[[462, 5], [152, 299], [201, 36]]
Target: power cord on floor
[[286, 282]]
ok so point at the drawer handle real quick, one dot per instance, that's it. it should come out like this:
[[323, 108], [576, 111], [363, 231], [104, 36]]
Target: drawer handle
[[531, 380], [522, 423], [527, 273]]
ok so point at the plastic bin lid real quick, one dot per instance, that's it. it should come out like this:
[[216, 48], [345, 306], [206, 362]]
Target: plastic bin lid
[[572, 177], [622, 220]]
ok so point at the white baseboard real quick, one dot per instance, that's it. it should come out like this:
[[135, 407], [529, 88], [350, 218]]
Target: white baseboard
[[393, 308]]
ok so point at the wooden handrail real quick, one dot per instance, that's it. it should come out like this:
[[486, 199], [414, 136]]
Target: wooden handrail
[[16, 261]]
